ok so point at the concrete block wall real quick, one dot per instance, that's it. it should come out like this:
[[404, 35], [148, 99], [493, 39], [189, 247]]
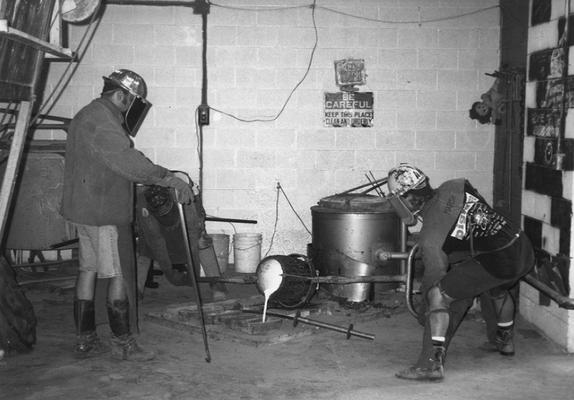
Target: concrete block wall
[[426, 62], [547, 208]]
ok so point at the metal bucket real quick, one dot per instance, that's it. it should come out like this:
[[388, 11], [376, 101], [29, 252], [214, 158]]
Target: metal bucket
[[347, 230]]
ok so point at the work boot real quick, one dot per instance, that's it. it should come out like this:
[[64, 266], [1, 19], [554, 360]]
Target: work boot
[[126, 348], [88, 343], [505, 341], [433, 371], [124, 345]]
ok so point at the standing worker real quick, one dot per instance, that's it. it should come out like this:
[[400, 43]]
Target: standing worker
[[98, 199], [467, 249]]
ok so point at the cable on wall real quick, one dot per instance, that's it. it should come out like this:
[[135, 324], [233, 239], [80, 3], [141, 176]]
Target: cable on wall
[[280, 190], [270, 119], [314, 7]]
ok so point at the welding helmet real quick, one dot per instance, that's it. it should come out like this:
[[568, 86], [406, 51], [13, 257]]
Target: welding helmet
[[136, 86], [402, 180]]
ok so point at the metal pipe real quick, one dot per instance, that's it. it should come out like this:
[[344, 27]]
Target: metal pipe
[[409, 281], [298, 318], [193, 265], [562, 301], [403, 246], [344, 280], [236, 220]]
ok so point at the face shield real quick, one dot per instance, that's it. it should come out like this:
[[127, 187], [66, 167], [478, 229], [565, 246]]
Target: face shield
[[401, 207], [135, 114]]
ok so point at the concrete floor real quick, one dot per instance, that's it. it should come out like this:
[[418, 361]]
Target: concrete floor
[[320, 365]]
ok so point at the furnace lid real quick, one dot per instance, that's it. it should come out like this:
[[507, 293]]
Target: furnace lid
[[356, 202]]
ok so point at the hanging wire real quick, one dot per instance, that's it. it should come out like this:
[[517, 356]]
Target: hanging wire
[[270, 119], [271, 241], [335, 11], [314, 7], [418, 21], [280, 190]]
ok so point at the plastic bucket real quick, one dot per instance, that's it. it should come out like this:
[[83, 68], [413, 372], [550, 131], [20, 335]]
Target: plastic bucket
[[221, 247], [247, 252]]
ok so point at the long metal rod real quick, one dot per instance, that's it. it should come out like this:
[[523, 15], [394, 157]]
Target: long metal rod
[[343, 280], [298, 318], [192, 267], [562, 301]]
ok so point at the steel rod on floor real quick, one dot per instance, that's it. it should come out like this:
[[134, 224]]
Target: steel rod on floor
[[298, 318]]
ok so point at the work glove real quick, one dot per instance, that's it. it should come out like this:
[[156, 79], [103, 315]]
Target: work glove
[[183, 191]]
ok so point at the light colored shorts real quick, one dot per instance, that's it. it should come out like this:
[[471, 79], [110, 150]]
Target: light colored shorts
[[98, 250]]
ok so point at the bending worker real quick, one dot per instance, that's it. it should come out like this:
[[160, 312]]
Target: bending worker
[[98, 199], [467, 249]]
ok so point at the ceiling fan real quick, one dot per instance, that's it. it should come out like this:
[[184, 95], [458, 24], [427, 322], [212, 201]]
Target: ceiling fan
[[75, 11]]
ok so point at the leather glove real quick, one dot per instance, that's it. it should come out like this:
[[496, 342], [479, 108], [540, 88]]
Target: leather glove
[[183, 191]]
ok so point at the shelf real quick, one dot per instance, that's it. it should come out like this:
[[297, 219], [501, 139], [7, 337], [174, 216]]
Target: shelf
[[33, 41]]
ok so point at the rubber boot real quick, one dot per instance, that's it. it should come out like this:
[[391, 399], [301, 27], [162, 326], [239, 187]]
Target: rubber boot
[[124, 345], [87, 341]]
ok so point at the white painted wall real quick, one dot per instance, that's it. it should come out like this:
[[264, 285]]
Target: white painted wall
[[424, 76]]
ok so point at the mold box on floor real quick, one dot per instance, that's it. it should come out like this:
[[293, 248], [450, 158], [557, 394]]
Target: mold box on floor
[[241, 319]]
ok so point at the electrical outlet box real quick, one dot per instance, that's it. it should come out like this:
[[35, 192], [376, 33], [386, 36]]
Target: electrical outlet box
[[203, 114]]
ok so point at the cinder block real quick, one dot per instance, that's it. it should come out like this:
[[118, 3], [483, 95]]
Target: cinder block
[[458, 38], [418, 38], [464, 160], [320, 139], [335, 160], [417, 79], [132, 34], [379, 162], [481, 139], [436, 100], [389, 139], [352, 140], [397, 58], [429, 139], [438, 58], [113, 55]]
